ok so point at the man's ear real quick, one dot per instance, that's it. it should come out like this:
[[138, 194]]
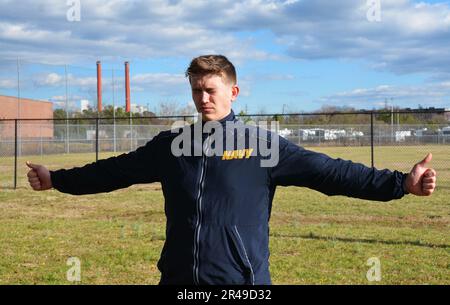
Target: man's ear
[[234, 92]]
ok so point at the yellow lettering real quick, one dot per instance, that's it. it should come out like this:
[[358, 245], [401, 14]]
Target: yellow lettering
[[226, 155], [237, 154], [248, 153]]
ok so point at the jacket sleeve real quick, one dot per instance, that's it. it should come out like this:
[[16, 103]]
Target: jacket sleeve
[[300, 167], [139, 166]]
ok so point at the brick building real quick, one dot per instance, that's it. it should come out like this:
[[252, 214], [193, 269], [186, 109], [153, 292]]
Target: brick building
[[29, 109]]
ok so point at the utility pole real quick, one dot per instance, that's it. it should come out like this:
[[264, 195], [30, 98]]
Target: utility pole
[[18, 107], [128, 101], [67, 111], [114, 110], [392, 121], [18, 89]]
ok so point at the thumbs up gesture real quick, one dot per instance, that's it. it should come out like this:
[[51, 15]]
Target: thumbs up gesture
[[39, 177], [421, 181]]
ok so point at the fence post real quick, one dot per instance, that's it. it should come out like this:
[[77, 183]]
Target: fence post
[[15, 154], [114, 132], [96, 139], [371, 138], [131, 131], [41, 150]]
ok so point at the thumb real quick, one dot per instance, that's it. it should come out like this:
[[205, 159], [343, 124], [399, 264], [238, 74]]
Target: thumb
[[426, 159], [31, 165]]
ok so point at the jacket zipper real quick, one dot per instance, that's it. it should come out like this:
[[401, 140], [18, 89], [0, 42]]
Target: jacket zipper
[[246, 256], [199, 214]]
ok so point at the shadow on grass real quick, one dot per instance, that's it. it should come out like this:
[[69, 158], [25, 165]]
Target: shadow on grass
[[362, 240]]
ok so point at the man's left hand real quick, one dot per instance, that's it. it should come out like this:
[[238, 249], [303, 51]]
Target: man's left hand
[[421, 181]]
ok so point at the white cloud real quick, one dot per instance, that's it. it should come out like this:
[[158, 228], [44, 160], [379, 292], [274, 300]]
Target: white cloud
[[24, 33], [8, 84], [52, 79], [433, 94], [56, 80], [410, 38], [164, 83], [31, 29], [152, 78]]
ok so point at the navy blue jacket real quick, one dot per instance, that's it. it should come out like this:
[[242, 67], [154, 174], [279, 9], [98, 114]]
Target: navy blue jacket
[[217, 207]]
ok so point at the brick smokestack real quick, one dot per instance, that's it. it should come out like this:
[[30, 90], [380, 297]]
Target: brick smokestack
[[127, 86], [99, 86]]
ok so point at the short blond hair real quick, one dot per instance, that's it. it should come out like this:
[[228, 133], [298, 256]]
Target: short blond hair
[[212, 64]]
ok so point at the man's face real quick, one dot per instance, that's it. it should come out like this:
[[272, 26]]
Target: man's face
[[213, 95]]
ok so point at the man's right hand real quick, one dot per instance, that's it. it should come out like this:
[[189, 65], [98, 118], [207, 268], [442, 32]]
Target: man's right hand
[[39, 177]]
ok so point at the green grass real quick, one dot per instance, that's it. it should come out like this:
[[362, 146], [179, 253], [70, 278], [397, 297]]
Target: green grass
[[315, 239]]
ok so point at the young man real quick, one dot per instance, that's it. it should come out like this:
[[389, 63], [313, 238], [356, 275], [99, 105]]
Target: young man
[[218, 205]]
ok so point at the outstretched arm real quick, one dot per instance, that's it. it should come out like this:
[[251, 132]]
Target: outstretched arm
[[301, 167], [140, 166]]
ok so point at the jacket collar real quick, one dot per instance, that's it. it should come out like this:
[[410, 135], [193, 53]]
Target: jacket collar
[[229, 117]]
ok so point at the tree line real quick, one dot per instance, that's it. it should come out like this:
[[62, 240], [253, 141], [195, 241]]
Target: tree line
[[332, 115]]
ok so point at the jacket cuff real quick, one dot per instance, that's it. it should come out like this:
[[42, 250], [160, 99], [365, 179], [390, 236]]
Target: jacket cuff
[[405, 192], [54, 179], [399, 190]]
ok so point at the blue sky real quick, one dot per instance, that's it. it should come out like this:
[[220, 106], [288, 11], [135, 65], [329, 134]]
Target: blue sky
[[292, 55]]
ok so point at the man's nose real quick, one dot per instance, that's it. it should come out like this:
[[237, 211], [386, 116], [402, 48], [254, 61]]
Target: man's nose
[[205, 97]]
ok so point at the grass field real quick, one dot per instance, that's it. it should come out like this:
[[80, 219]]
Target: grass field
[[315, 239]]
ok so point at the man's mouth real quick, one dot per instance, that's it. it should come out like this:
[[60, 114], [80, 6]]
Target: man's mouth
[[207, 109]]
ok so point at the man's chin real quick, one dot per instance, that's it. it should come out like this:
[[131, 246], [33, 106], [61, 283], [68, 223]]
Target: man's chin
[[208, 116]]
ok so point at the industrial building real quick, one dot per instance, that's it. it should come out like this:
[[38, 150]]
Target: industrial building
[[24, 108]]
